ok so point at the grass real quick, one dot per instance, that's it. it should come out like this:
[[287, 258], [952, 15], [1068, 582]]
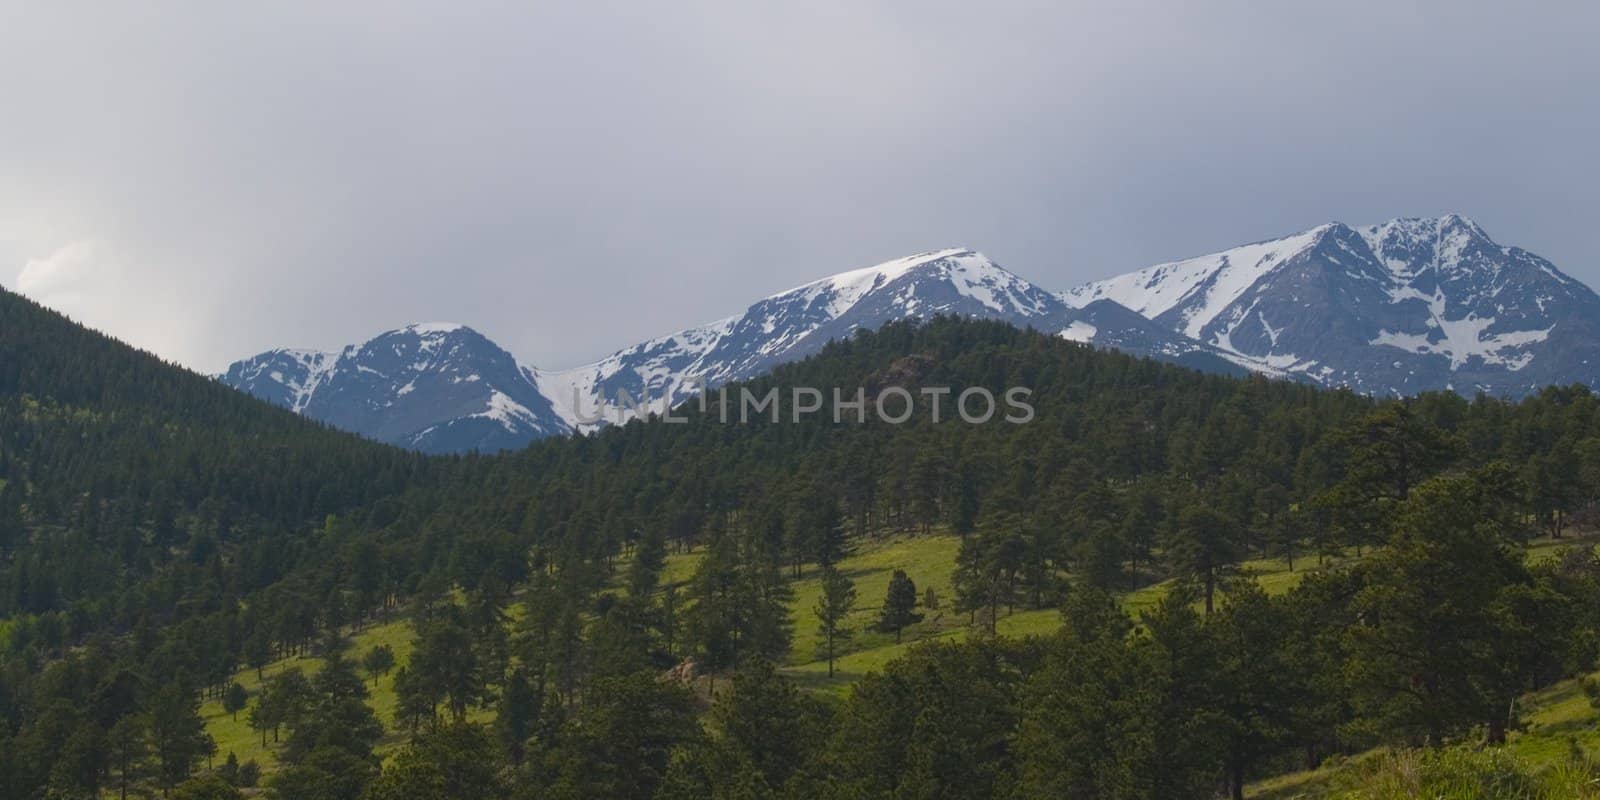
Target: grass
[[1558, 721], [1555, 715], [236, 735]]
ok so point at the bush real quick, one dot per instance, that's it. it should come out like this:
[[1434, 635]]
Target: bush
[[1459, 773], [249, 774]]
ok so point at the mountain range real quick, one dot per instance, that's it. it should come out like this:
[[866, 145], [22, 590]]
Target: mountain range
[[1402, 307]]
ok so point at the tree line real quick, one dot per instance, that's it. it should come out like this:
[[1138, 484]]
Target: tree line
[[158, 533]]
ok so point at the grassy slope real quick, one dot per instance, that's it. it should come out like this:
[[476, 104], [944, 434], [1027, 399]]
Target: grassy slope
[[929, 561], [1557, 717], [237, 737]]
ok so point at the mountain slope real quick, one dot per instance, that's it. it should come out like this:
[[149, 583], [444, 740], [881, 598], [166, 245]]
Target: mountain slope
[[1404, 306], [116, 467]]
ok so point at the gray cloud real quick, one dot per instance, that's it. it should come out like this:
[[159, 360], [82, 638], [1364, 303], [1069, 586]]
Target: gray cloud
[[212, 180]]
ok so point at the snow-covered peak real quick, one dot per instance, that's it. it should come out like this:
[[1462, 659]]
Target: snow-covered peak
[[972, 273], [797, 322], [1205, 285], [1408, 246], [1401, 306], [432, 328], [857, 282]]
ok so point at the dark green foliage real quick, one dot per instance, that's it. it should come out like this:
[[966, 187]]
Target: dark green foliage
[[445, 667], [1454, 626], [1204, 550], [936, 723], [158, 533], [989, 563], [899, 605], [234, 699], [328, 754], [455, 761], [1101, 738], [741, 606], [624, 743], [837, 600], [378, 661], [178, 740], [206, 787], [764, 732]]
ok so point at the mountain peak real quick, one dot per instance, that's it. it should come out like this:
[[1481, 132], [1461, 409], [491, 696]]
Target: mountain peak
[[1412, 304], [863, 279], [434, 328]]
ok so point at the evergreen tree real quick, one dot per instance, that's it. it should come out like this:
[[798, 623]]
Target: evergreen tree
[[649, 558], [378, 661], [445, 663], [234, 699], [622, 748], [1097, 740], [987, 565], [899, 605], [129, 747], [178, 738], [771, 725], [837, 600], [455, 761], [1450, 616], [1204, 549]]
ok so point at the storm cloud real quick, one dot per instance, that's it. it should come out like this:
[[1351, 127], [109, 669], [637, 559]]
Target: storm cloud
[[211, 180]]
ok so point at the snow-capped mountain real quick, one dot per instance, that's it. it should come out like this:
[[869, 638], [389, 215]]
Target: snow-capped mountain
[[446, 388], [437, 387], [1406, 306], [1397, 308], [791, 325]]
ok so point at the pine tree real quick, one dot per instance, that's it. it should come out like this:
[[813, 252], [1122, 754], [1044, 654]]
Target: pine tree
[[833, 607], [1450, 622], [899, 605], [234, 699], [178, 738], [455, 761], [378, 661], [649, 558], [1204, 549], [766, 722], [129, 750]]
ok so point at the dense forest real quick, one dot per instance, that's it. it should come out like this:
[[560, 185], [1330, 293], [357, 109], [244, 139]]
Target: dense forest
[[160, 533]]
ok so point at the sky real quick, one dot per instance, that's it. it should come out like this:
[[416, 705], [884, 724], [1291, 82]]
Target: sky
[[211, 180]]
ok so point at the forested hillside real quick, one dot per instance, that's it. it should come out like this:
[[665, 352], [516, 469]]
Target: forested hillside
[[159, 534]]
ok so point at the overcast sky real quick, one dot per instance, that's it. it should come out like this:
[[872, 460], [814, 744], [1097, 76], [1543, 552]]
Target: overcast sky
[[217, 179]]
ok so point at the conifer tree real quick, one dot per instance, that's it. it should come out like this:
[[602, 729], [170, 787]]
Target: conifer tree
[[834, 605], [899, 605]]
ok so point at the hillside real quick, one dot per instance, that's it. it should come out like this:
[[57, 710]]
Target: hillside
[[1557, 716], [534, 601]]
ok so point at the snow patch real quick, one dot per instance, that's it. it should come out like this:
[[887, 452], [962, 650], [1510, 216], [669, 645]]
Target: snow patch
[[502, 409], [434, 328], [1205, 286], [1080, 331]]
